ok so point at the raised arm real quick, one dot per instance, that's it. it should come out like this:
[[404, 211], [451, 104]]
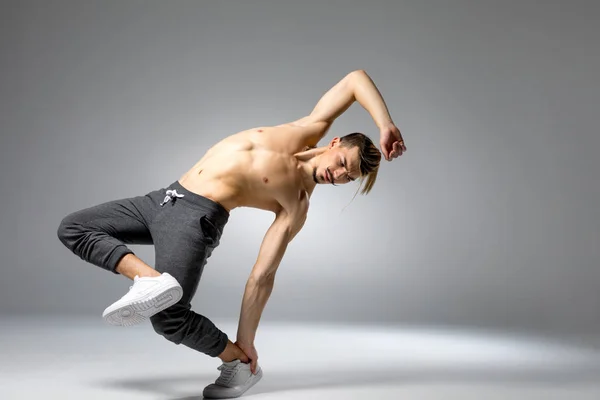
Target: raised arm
[[355, 86]]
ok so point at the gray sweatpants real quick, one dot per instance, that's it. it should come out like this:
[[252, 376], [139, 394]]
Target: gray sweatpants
[[184, 230]]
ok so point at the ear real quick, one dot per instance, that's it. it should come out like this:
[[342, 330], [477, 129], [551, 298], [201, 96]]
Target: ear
[[334, 142]]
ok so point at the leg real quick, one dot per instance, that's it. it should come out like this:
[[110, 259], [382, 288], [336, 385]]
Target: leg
[[131, 266], [184, 240], [99, 235]]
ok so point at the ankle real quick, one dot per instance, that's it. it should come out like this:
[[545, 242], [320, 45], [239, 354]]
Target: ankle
[[229, 353], [149, 273], [130, 266]]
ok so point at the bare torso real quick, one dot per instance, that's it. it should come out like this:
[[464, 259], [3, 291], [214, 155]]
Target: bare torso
[[252, 168]]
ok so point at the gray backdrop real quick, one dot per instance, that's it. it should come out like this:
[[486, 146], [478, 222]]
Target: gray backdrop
[[490, 219]]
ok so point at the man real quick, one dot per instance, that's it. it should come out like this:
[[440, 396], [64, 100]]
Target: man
[[270, 168]]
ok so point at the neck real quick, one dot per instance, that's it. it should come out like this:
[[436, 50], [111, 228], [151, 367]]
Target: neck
[[306, 163]]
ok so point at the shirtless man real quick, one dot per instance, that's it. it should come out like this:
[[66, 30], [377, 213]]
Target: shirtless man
[[270, 168]]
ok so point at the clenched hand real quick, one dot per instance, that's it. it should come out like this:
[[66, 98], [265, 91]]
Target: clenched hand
[[250, 352], [391, 142]]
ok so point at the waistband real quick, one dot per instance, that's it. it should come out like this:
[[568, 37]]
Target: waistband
[[214, 211]]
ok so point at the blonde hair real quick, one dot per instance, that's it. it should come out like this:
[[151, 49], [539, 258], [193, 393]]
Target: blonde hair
[[369, 158]]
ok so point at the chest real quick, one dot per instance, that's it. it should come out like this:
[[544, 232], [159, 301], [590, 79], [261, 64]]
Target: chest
[[272, 179]]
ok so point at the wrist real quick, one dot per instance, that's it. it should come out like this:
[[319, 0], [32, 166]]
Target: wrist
[[243, 340], [385, 123]]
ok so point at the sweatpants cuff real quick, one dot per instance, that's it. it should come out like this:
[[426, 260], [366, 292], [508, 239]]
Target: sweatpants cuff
[[223, 340], [118, 253]]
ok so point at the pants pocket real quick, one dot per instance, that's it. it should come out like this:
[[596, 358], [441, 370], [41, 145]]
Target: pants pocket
[[210, 233]]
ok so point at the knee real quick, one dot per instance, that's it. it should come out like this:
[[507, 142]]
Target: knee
[[69, 230]]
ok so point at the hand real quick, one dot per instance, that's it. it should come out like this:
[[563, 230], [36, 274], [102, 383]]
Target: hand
[[251, 353], [391, 142]]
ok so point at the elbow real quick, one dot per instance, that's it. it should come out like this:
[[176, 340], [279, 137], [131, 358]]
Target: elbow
[[358, 72], [356, 79]]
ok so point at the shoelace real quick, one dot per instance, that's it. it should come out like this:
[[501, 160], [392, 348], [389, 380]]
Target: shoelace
[[227, 373], [170, 195]]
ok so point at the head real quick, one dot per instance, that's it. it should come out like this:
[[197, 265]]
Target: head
[[347, 159]]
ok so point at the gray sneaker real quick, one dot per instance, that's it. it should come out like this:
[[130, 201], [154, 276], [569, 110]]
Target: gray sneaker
[[236, 378]]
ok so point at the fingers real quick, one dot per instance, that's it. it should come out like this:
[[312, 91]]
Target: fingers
[[244, 358], [385, 151], [253, 363], [397, 149], [394, 151], [400, 148], [242, 355]]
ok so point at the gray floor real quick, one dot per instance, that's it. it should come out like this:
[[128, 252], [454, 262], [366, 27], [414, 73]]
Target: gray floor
[[77, 358]]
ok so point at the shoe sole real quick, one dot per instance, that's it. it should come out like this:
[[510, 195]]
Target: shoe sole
[[135, 312]]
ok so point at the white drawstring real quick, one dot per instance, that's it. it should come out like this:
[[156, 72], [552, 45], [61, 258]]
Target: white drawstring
[[170, 194]]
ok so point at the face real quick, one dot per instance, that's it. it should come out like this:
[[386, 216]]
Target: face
[[337, 165]]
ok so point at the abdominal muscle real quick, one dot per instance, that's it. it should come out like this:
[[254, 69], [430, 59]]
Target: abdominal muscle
[[238, 172]]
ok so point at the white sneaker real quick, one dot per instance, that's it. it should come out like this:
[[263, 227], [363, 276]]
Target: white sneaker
[[235, 379], [146, 297]]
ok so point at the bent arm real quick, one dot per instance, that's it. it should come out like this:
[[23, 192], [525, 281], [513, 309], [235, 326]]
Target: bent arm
[[355, 86], [261, 281]]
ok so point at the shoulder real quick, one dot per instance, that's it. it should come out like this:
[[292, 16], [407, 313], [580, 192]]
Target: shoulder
[[307, 130], [288, 138]]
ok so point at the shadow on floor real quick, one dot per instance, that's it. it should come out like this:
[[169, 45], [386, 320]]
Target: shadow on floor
[[171, 386]]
